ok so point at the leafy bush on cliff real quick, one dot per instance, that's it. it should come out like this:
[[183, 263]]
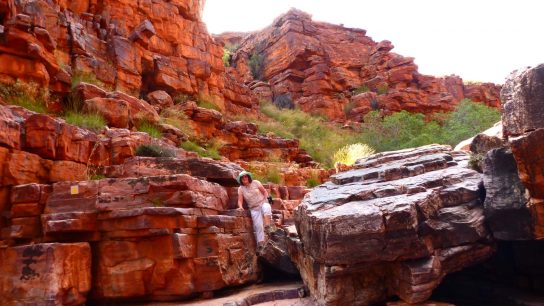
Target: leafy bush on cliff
[[468, 119], [226, 57], [30, 95], [398, 131]]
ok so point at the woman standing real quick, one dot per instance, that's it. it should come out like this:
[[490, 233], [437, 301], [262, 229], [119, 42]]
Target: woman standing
[[253, 192]]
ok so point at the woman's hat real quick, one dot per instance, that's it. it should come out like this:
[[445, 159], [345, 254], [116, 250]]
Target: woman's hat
[[243, 173]]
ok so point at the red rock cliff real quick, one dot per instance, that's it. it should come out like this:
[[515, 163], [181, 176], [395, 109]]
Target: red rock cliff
[[319, 65], [134, 46]]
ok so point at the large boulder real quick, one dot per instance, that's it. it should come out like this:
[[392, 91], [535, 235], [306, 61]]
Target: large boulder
[[506, 206], [523, 99], [416, 213]]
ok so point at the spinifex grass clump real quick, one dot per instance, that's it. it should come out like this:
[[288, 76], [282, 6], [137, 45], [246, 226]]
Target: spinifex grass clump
[[349, 154], [210, 150], [91, 121], [150, 129], [31, 96]]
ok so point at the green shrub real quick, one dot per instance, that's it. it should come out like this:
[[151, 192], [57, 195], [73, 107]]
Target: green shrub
[[150, 129], [284, 101], [361, 89], [406, 130], [256, 65], [148, 150], [349, 154], [92, 121], [398, 131], [226, 57], [31, 96]]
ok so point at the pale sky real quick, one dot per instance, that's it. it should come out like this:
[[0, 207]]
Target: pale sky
[[479, 40]]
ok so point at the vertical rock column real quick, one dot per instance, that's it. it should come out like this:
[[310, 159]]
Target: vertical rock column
[[523, 121]]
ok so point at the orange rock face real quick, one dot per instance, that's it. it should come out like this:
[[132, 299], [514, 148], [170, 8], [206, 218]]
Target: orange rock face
[[319, 65], [52, 273]]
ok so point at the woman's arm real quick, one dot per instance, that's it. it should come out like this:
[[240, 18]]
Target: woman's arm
[[262, 189], [240, 200]]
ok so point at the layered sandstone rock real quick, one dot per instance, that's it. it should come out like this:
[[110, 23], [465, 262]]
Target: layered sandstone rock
[[162, 46], [318, 65], [522, 120], [394, 225], [202, 246]]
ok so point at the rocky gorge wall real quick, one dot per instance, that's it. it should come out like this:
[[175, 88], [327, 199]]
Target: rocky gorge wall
[[318, 66], [85, 220]]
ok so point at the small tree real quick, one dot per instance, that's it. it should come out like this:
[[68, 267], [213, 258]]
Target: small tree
[[256, 65]]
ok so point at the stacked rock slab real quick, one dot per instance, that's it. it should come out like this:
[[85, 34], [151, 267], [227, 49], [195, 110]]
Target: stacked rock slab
[[148, 238], [396, 224], [523, 98], [317, 66]]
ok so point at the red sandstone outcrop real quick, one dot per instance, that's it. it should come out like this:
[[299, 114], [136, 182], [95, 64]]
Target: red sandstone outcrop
[[128, 220], [319, 65], [162, 46], [395, 224]]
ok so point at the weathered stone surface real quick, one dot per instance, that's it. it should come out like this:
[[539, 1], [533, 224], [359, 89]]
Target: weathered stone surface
[[275, 254], [522, 97], [415, 211], [45, 274], [506, 206], [320, 66]]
